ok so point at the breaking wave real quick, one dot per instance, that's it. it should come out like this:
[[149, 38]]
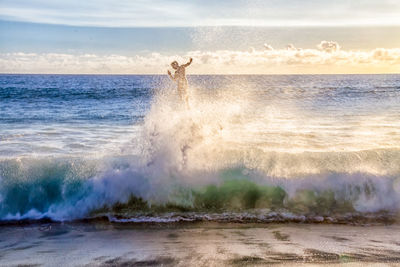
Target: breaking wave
[[230, 157]]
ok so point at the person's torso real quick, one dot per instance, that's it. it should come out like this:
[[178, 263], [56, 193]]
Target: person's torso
[[180, 73]]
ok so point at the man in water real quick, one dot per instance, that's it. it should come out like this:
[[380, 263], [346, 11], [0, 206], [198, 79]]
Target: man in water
[[180, 78]]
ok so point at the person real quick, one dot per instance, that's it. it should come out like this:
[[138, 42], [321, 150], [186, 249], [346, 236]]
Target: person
[[180, 77]]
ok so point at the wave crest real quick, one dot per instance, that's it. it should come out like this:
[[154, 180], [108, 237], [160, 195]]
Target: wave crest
[[222, 156]]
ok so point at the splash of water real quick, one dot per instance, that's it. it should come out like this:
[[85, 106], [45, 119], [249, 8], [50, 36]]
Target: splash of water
[[229, 152]]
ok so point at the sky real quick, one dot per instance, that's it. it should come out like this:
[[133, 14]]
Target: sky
[[223, 37]]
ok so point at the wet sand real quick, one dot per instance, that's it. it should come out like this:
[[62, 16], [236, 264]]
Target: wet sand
[[200, 244]]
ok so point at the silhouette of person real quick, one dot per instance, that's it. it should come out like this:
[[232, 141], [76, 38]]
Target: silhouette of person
[[180, 77]]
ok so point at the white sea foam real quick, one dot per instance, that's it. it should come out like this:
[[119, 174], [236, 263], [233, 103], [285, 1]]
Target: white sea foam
[[228, 134]]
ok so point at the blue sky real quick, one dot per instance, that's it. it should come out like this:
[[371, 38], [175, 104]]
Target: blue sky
[[43, 38], [40, 31], [159, 13]]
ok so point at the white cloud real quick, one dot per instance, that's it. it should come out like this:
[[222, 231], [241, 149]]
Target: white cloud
[[327, 59], [268, 47], [329, 46], [291, 47]]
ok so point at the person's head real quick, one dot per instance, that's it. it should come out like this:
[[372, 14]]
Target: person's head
[[174, 64]]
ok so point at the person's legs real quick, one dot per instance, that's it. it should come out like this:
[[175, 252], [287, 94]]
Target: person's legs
[[181, 93], [187, 101], [182, 90], [184, 97]]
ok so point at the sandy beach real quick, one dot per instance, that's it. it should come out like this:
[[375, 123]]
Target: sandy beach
[[200, 244]]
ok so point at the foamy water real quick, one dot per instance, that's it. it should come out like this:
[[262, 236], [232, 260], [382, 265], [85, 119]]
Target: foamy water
[[312, 146]]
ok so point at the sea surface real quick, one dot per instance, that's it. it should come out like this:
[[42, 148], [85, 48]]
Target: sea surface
[[258, 148]]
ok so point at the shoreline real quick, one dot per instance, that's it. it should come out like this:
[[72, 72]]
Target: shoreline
[[187, 218]]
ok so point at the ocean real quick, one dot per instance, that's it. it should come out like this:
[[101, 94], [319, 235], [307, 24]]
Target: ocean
[[257, 148]]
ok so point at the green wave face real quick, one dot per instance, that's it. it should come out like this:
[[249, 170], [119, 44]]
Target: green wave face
[[68, 189]]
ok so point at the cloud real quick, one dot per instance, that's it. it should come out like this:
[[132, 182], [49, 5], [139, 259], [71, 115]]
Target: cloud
[[329, 46], [268, 47], [329, 58], [291, 47], [128, 13]]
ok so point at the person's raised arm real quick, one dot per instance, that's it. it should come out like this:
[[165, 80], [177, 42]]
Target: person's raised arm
[[170, 75], [190, 62]]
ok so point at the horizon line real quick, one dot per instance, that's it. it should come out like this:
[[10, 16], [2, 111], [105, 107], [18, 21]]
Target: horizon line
[[218, 74]]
